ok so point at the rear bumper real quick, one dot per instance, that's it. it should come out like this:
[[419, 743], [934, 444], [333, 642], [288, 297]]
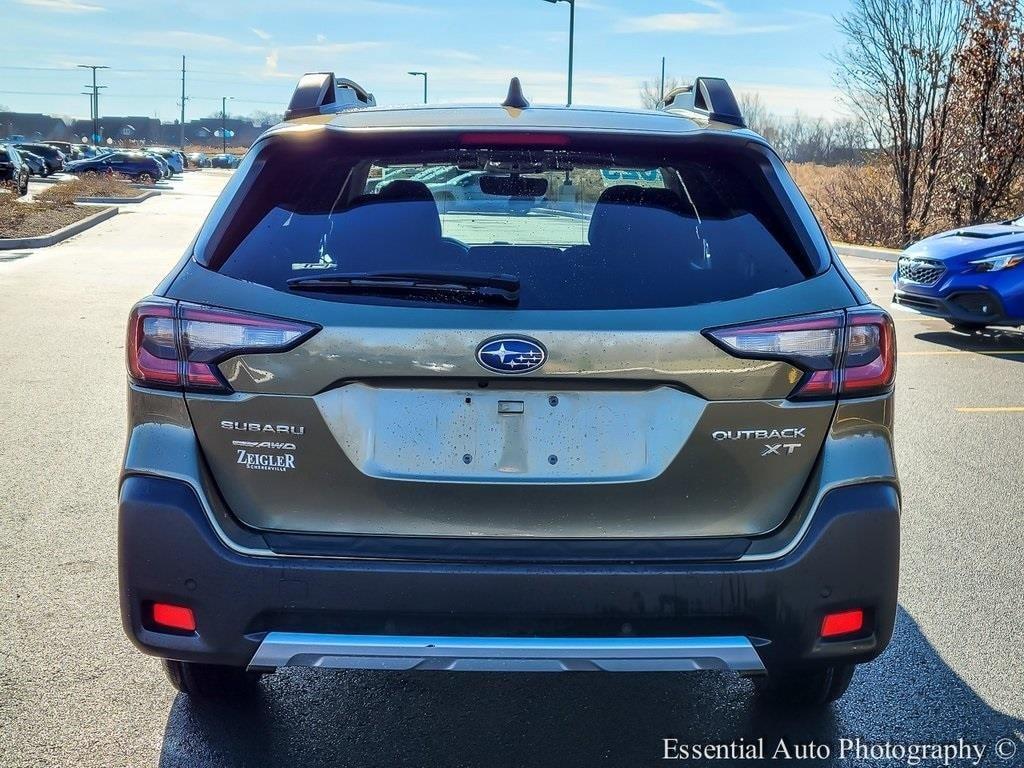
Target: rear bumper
[[269, 611]]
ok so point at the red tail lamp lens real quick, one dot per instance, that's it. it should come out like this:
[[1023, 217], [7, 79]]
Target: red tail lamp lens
[[175, 344], [174, 617], [870, 361], [850, 353], [844, 623]]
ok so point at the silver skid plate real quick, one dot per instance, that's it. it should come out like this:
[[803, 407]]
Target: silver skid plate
[[507, 654]]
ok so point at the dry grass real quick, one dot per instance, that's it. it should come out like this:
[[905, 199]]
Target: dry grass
[[55, 208], [855, 203], [64, 193], [18, 219], [214, 149]]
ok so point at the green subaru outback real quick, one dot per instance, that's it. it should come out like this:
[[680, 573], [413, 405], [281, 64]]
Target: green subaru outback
[[620, 409]]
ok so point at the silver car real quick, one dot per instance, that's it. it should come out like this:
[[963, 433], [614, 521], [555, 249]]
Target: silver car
[[649, 430]]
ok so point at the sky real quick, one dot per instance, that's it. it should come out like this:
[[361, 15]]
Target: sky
[[254, 51]]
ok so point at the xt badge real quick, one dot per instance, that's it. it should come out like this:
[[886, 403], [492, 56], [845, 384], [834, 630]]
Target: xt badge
[[778, 449]]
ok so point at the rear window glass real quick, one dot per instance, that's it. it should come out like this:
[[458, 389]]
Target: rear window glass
[[585, 228]]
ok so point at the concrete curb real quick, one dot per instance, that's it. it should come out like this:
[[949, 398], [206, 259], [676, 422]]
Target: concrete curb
[[42, 241], [866, 252], [119, 200]]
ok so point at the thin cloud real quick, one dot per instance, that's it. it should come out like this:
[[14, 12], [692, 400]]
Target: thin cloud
[[260, 33], [63, 6], [718, 20]]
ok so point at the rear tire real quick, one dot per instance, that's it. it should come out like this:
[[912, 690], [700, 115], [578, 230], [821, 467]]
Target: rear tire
[[212, 682], [806, 689]]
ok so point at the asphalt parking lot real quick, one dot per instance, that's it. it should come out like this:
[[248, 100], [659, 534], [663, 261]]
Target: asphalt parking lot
[[73, 691]]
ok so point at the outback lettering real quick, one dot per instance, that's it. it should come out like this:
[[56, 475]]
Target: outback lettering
[[760, 434]]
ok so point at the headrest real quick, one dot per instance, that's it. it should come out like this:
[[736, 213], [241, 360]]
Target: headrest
[[406, 189], [611, 213]]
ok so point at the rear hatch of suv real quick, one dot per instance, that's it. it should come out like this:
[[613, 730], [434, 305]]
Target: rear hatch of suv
[[622, 337]]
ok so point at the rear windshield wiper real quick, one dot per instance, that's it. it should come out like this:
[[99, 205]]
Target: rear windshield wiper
[[472, 286]]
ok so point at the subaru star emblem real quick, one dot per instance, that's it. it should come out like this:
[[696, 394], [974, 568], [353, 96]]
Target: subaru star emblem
[[511, 355]]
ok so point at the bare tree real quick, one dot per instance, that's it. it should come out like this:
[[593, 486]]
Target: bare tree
[[759, 118], [896, 69], [263, 119], [984, 163], [650, 97]]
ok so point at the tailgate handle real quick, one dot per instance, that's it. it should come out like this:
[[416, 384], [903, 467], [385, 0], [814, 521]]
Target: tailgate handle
[[509, 407]]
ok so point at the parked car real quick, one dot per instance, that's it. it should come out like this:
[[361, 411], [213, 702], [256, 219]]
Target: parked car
[[36, 164], [971, 277], [173, 158], [651, 433], [224, 161], [53, 157], [136, 166], [13, 169], [69, 150], [165, 168], [199, 159]]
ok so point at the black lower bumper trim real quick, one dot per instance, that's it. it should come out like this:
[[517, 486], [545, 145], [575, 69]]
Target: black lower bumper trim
[[848, 558], [978, 307]]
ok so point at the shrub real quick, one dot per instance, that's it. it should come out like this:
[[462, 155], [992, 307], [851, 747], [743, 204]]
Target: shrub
[[64, 193], [855, 203], [12, 213]]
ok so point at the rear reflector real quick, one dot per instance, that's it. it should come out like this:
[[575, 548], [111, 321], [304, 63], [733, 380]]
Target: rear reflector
[[175, 344], [845, 623], [174, 617], [841, 353]]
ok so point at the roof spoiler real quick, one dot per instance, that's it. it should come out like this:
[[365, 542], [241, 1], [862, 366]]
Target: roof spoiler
[[708, 97], [321, 93]]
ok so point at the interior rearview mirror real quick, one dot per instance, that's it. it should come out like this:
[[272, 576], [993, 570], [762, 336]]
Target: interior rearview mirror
[[514, 186]]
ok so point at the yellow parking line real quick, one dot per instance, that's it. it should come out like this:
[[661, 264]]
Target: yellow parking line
[[926, 352], [993, 409]]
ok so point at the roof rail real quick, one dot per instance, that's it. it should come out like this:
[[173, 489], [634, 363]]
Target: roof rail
[[321, 93], [709, 97]]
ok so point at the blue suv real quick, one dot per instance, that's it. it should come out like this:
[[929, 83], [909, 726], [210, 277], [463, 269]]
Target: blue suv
[[970, 277]]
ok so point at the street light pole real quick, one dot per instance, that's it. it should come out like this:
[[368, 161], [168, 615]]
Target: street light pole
[[224, 123], [572, 34], [424, 75], [184, 98], [95, 95], [661, 97]]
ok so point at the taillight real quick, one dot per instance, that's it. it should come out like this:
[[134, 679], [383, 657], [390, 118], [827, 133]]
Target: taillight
[[870, 358], [178, 345], [849, 353]]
